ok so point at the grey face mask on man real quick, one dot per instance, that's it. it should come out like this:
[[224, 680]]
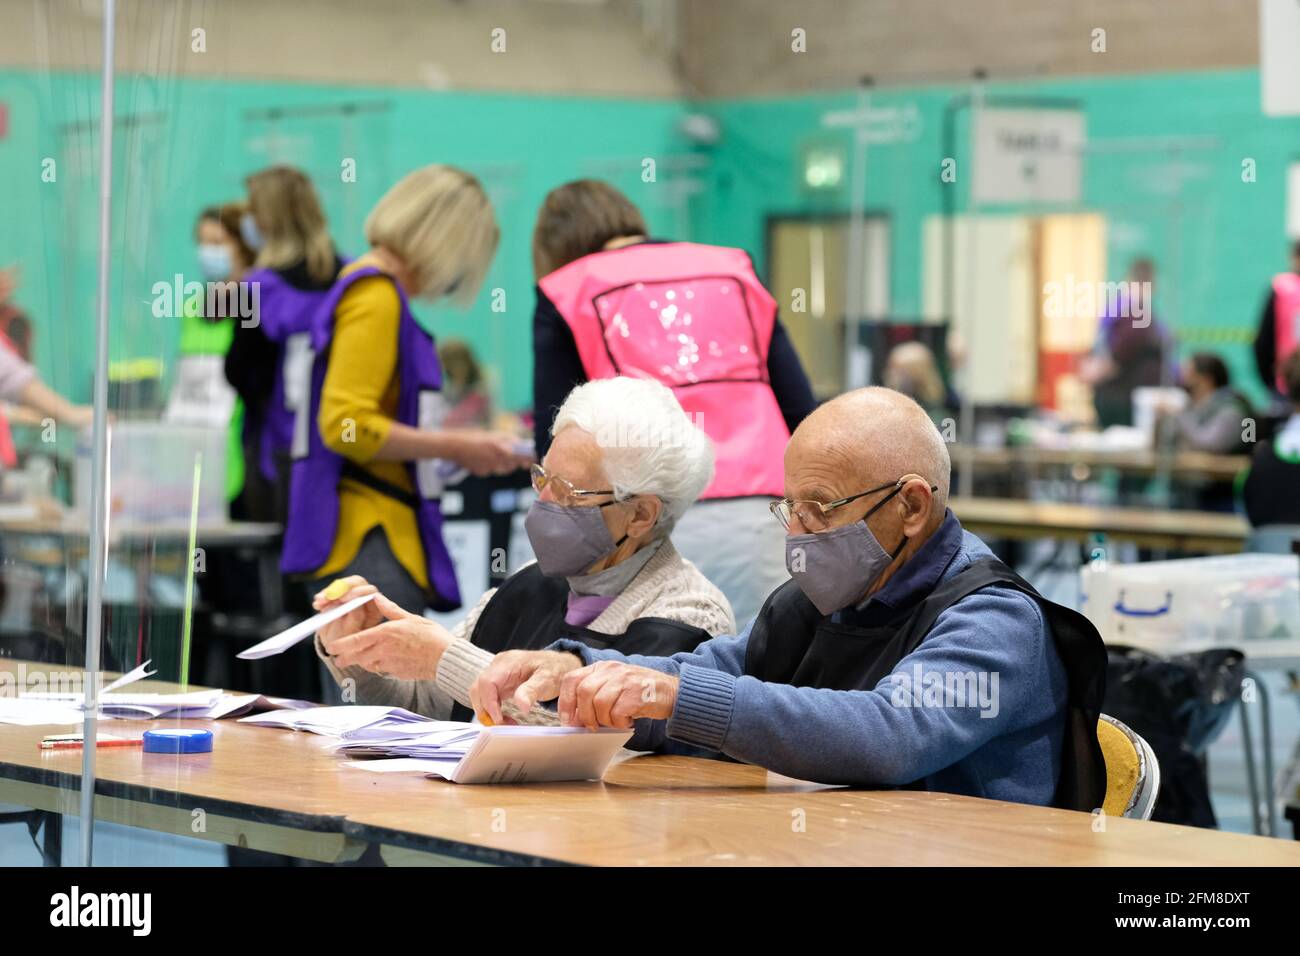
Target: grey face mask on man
[[567, 541], [833, 568]]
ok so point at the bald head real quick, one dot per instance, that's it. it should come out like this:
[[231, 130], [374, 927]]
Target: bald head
[[865, 438]]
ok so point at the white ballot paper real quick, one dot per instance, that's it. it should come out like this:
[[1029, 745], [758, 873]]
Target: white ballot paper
[[342, 721], [303, 629], [518, 754], [34, 708], [130, 677]]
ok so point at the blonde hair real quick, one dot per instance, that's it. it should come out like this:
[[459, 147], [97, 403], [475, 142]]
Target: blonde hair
[[912, 370], [288, 214], [439, 221]]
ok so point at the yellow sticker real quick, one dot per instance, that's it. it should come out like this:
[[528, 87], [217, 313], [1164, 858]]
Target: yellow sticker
[[336, 590]]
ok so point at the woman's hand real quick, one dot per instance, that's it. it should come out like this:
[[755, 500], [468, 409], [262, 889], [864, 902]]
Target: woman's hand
[[485, 453], [340, 592], [400, 644]]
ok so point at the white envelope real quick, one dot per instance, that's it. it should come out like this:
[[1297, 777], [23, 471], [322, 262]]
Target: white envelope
[[303, 629], [517, 754]]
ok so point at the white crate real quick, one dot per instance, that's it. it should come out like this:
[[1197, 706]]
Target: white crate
[[151, 467], [1196, 602]]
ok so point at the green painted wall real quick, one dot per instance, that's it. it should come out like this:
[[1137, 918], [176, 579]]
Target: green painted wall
[[184, 143], [1215, 238]]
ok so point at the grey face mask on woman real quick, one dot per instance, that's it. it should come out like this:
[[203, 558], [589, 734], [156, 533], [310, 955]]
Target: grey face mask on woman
[[834, 567], [567, 541]]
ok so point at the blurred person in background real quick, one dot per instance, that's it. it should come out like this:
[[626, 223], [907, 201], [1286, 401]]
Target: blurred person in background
[[1130, 351], [912, 369], [1278, 334], [1215, 417], [200, 394], [365, 488], [269, 362], [606, 575], [21, 386], [15, 326], [468, 402], [1214, 421], [613, 301], [1271, 492]]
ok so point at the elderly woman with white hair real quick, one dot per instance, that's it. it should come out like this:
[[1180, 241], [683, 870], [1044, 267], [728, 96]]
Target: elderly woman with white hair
[[626, 462]]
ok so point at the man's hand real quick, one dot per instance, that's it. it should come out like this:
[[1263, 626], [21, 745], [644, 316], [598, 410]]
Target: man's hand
[[613, 694], [525, 677]]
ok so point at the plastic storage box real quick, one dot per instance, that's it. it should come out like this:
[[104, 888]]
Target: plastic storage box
[[151, 472], [1194, 603]]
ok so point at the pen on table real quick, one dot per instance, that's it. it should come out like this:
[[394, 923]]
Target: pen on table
[[56, 744]]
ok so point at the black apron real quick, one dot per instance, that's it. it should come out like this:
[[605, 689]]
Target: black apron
[[793, 643], [527, 613]]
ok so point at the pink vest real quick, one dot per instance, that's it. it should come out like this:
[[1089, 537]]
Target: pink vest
[[697, 319], [1286, 317]]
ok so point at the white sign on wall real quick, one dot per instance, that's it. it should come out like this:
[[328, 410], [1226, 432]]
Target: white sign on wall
[[1279, 67], [1027, 155]]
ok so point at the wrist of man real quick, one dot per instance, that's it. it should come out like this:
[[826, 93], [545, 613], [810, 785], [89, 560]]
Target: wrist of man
[[702, 707]]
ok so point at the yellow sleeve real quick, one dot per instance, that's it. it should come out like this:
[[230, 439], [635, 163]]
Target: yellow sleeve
[[363, 360]]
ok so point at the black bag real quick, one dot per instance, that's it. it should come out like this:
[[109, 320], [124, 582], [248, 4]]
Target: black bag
[[1179, 705]]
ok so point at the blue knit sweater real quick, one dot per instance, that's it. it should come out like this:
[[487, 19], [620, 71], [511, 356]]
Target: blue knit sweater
[[996, 733]]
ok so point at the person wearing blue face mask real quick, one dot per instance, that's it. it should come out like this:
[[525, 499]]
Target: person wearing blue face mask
[[900, 654], [625, 463], [199, 392]]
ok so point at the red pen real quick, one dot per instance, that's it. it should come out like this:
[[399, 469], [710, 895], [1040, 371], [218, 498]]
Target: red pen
[[76, 741]]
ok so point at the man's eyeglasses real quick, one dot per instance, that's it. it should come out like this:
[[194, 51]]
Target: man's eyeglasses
[[814, 516], [562, 488]]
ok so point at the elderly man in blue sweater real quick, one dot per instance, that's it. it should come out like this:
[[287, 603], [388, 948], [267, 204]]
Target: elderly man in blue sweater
[[901, 653]]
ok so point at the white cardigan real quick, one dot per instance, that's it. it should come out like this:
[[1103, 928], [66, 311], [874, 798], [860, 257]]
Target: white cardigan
[[668, 586]]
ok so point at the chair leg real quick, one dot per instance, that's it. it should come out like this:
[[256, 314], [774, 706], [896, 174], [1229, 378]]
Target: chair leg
[[1266, 741], [1251, 782], [52, 839]]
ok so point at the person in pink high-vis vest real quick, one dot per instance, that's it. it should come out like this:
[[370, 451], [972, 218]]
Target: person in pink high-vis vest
[[611, 301], [1279, 326]]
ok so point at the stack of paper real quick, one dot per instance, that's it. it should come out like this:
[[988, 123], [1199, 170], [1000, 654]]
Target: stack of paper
[[27, 712], [141, 706], [195, 705], [427, 739], [57, 707], [236, 705], [510, 754], [338, 721]]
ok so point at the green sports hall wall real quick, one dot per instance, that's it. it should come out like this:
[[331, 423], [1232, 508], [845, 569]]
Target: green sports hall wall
[[184, 143]]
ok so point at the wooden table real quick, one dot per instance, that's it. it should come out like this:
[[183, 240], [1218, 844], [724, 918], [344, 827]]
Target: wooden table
[[1182, 465], [1207, 531], [281, 791]]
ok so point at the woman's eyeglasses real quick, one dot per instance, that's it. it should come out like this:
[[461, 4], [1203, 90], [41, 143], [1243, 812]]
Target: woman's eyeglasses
[[562, 488]]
